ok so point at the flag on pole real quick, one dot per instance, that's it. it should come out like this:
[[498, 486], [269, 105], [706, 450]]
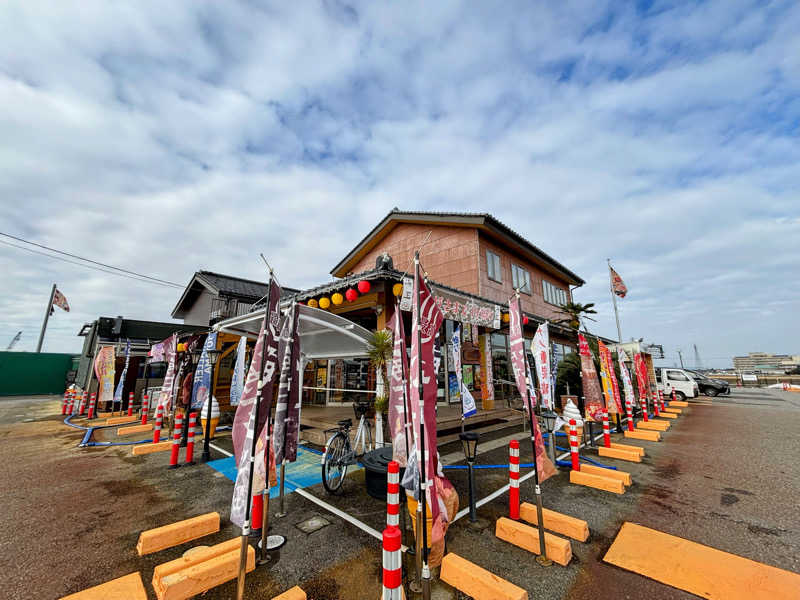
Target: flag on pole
[[121, 382], [541, 357], [517, 348], [201, 384], [166, 351], [592, 395], [245, 427], [641, 376], [399, 420], [609, 378], [237, 379], [616, 283], [287, 409], [60, 300], [468, 407], [104, 370], [627, 384]]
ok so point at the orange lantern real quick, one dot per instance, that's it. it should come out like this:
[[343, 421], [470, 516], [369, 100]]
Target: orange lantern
[[397, 289], [506, 317], [325, 303], [313, 303], [337, 298]]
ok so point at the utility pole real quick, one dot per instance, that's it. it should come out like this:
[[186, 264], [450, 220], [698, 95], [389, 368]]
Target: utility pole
[[46, 317], [681, 357]]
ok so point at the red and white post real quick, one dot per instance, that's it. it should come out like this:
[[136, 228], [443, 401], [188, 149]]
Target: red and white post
[[145, 408], [606, 430], [392, 538], [661, 399], [673, 395], [82, 405], [190, 439], [643, 402], [393, 495], [656, 411], [159, 422], [513, 480], [92, 405], [64, 402], [130, 404], [629, 411], [176, 442], [573, 445], [71, 404]]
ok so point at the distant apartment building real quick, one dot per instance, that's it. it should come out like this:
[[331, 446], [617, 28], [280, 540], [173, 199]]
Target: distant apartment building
[[764, 361]]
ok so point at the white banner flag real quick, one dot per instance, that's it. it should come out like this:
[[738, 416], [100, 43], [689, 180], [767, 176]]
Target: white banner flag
[[468, 407], [541, 354]]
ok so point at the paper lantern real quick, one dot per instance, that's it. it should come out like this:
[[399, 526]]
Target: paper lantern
[[363, 286], [351, 295], [324, 303], [182, 347], [397, 289], [506, 317], [313, 303], [337, 298], [524, 320]]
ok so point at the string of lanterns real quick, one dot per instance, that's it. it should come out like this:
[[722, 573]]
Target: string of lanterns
[[351, 294]]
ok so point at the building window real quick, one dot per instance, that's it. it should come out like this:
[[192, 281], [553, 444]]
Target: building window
[[553, 294], [493, 266], [520, 279]]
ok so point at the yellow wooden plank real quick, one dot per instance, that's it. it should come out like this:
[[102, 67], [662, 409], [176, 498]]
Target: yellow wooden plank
[[129, 587]]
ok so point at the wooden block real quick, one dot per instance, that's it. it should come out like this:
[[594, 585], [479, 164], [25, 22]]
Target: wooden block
[[526, 537], [203, 576], [668, 415], [679, 403], [104, 415], [672, 411], [297, 594], [121, 420], [194, 556], [638, 449], [173, 534], [653, 425], [622, 476], [619, 454], [477, 582], [150, 448], [129, 587], [700, 570], [577, 529], [599, 482], [134, 429], [638, 434]]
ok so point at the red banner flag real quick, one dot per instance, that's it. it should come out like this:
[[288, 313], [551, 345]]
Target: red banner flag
[[641, 376], [592, 395], [617, 285], [60, 300], [399, 426]]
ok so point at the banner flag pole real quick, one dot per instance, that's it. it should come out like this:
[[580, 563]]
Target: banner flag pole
[[46, 318], [614, 301]]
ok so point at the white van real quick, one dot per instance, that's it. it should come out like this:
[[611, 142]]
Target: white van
[[670, 378]]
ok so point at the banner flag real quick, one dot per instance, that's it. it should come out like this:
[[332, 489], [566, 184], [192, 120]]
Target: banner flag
[[201, 385], [641, 376], [541, 356], [616, 283], [166, 351], [60, 300], [517, 348], [244, 422], [614, 383], [468, 407], [399, 422], [287, 409], [610, 387], [121, 383], [104, 370], [592, 395], [627, 384], [237, 379], [426, 319]]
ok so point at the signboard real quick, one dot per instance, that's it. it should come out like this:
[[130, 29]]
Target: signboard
[[749, 377], [466, 310], [408, 291]]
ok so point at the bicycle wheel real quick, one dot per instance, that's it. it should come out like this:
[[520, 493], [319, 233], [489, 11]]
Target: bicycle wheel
[[334, 468]]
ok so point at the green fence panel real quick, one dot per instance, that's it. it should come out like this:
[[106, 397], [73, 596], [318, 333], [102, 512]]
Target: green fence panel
[[30, 373]]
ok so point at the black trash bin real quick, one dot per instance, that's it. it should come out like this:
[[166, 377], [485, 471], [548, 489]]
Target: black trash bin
[[376, 466]]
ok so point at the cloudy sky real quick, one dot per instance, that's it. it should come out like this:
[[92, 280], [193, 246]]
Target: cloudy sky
[[169, 137]]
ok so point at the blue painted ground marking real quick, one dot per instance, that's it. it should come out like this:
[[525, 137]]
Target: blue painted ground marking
[[304, 472]]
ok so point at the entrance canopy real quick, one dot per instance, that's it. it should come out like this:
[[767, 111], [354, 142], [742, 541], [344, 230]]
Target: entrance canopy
[[323, 334]]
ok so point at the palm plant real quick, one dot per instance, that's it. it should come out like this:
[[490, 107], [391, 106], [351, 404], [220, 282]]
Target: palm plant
[[575, 311], [379, 352]]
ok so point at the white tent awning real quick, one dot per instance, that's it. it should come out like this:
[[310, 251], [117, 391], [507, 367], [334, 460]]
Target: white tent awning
[[323, 334]]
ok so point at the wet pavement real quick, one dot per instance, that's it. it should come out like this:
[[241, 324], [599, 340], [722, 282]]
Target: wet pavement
[[725, 475]]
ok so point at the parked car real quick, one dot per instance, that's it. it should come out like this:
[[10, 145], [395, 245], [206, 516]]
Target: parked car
[[709, 386], [670, 378]]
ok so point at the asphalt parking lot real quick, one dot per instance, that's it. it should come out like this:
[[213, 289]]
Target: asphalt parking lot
[[726, 475]]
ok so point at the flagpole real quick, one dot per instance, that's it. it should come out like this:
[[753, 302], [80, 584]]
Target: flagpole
[[46, 318], [541, 558], [249, 497], [614, 300], [422, 520]]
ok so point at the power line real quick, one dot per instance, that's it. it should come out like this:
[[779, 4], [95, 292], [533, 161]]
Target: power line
[[156, 279], [72, 262]]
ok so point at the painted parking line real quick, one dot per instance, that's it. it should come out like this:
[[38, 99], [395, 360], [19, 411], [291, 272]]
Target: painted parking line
[[698, 569]]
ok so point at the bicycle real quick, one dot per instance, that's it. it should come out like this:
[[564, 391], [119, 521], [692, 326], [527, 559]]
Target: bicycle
[[340, 453]]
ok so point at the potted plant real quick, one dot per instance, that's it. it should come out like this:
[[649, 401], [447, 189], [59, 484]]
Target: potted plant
[[380, 354]]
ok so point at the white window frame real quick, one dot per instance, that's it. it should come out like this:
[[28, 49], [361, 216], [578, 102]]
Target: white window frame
[[553, 294], [516, 271], [498, 272]]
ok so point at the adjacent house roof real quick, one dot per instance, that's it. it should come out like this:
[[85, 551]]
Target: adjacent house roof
[[482, 221], [218, 284]]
